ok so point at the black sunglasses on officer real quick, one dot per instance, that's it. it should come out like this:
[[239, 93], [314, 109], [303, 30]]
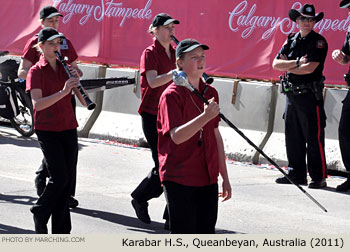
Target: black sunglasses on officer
[[304, 19]]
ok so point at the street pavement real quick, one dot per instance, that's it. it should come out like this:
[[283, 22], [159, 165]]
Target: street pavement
[[109, 171]]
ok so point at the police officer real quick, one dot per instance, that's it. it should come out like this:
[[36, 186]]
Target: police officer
[[343, 57], [303, 57]]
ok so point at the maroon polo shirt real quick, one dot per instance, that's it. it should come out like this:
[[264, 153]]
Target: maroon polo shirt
[[188, 163], [30, 53], [155, 58], [59, 116]]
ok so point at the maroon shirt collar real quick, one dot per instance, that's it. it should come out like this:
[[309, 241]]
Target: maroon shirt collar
[[43, 61], [159, 48]]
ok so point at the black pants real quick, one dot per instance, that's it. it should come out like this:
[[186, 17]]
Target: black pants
[[192, 210], [60, 152], [344, 136], [150, 187], [43, 173], [304, 134]]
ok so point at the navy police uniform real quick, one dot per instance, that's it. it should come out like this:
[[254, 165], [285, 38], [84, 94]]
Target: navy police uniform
[[304, 116], [344, 132]]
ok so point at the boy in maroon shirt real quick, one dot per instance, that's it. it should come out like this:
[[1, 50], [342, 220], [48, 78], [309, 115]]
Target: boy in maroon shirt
[[190, 147]]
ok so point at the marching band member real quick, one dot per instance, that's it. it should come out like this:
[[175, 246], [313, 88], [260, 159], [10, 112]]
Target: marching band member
[[49, 17], [156, 65], [191, 150], [55, 126]]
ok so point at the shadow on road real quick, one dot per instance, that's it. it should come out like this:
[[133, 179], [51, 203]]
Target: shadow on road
[[331, 189], [134, 224], [224, 231], [18, 199], [9, 138], [4, 229]]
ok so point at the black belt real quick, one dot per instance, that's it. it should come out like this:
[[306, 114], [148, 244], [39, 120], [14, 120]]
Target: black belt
[[302, 85], [301, 88]]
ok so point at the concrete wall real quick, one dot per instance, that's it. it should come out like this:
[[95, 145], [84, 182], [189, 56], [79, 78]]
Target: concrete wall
[[250, 114], [119, 119], [333, 106]]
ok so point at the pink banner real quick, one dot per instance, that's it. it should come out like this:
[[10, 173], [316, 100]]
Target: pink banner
[[244, 35]]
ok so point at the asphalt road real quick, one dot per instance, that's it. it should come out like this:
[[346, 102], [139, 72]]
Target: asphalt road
[[108, 172]]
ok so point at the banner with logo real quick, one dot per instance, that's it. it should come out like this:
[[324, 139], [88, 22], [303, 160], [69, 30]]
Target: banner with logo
[[244, 36]]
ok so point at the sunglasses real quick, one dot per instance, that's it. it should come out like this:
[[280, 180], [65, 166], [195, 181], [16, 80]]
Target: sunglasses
[[304, 19]]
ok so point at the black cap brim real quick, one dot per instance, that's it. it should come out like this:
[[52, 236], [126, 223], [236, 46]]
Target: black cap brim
[[171, 20], [344, 4], [54, 15], [191, 48], [60, 35]]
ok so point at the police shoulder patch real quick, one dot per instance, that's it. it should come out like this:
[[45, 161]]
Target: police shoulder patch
[[320, 44]]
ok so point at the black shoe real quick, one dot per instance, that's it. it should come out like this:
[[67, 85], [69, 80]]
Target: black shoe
[[40, 184], [344, 186], [72, 202], [166, 225], [141, 211], [39, 228], [284, 180], [318, 184]]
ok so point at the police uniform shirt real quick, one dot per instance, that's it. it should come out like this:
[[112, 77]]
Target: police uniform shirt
[[314, 46], [346, 51], [346, 46]]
